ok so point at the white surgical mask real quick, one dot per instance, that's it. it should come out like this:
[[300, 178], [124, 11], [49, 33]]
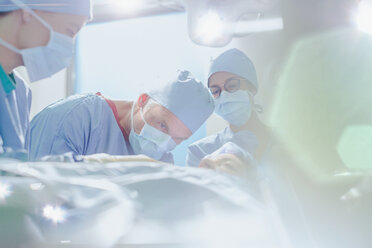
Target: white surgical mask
[[151, 141], [234, 107], [44, 61]]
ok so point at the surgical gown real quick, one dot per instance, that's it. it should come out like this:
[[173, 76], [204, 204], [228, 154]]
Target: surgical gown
[[81, 124], [14, 116], [198, 150]]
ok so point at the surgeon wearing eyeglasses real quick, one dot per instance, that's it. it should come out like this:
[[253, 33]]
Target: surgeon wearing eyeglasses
[[233, 83]]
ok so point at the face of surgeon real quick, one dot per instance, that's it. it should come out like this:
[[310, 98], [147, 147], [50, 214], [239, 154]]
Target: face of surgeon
[[160, 118], [32, 33], [222, 81]]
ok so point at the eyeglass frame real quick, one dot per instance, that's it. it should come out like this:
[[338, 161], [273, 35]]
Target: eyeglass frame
[[225, 88]]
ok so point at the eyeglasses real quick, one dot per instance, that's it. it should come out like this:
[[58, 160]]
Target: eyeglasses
[[231, 85]]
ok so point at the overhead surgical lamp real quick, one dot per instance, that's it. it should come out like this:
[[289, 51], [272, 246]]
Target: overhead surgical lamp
[[364, 16], [213, 22], [129, 6]]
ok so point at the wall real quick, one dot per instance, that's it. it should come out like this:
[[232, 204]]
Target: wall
[[46, 91]]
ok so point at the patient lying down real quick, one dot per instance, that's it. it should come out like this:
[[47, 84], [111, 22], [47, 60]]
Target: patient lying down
[[230, 159]]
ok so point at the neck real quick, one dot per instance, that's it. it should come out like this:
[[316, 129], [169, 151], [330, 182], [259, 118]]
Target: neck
[[253, 124], [9, 60], [124, 109], [259, 129]]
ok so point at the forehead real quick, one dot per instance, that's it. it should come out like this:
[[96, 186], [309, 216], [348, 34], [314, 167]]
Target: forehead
[[175, 125], [156, 109], [219, 78]]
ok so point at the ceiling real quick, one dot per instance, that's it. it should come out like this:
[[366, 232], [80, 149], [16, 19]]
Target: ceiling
[[110, 10]]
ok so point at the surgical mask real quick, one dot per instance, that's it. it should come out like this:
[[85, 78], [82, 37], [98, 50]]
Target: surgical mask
[[234, 107], [44, 61], [151, 141]]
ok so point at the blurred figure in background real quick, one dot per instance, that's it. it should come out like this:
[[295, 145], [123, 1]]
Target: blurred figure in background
[[41, 38]]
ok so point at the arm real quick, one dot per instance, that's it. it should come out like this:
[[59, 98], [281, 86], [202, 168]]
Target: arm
[[168, 158], [194, 156]]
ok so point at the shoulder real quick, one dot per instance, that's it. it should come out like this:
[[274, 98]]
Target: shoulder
[[85, 108], [74, 110], [78, 104], [79, 100]]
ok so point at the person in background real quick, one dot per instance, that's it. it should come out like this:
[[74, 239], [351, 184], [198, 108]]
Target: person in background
[[153, 125], [233, 83], [39, 36]]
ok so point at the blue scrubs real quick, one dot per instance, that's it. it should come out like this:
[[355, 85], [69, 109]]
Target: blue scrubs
[[15, 105], [198, 150], [81, 124]]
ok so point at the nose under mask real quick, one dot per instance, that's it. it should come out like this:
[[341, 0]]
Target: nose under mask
[[234, 107], [150, 141]]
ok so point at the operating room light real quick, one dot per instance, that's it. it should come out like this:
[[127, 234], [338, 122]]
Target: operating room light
[[210, 27], [129, 6], [212, 22], [364, 16], [4, 190], [55, 214]]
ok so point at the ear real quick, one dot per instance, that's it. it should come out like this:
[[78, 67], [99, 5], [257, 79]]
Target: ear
[[26, 16], [142, 100]]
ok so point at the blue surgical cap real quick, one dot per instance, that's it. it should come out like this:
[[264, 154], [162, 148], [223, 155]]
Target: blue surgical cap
[[187, 98], [236, 62], [76, 7]]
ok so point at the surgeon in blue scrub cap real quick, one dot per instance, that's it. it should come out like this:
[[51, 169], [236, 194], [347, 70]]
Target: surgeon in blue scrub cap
[[233, 83], [153, 125], [40, 36]]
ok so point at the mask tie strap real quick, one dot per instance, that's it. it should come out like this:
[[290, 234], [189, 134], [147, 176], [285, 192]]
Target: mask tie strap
[[256, 107], [9, 46], [131, 117], [28, 9]]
